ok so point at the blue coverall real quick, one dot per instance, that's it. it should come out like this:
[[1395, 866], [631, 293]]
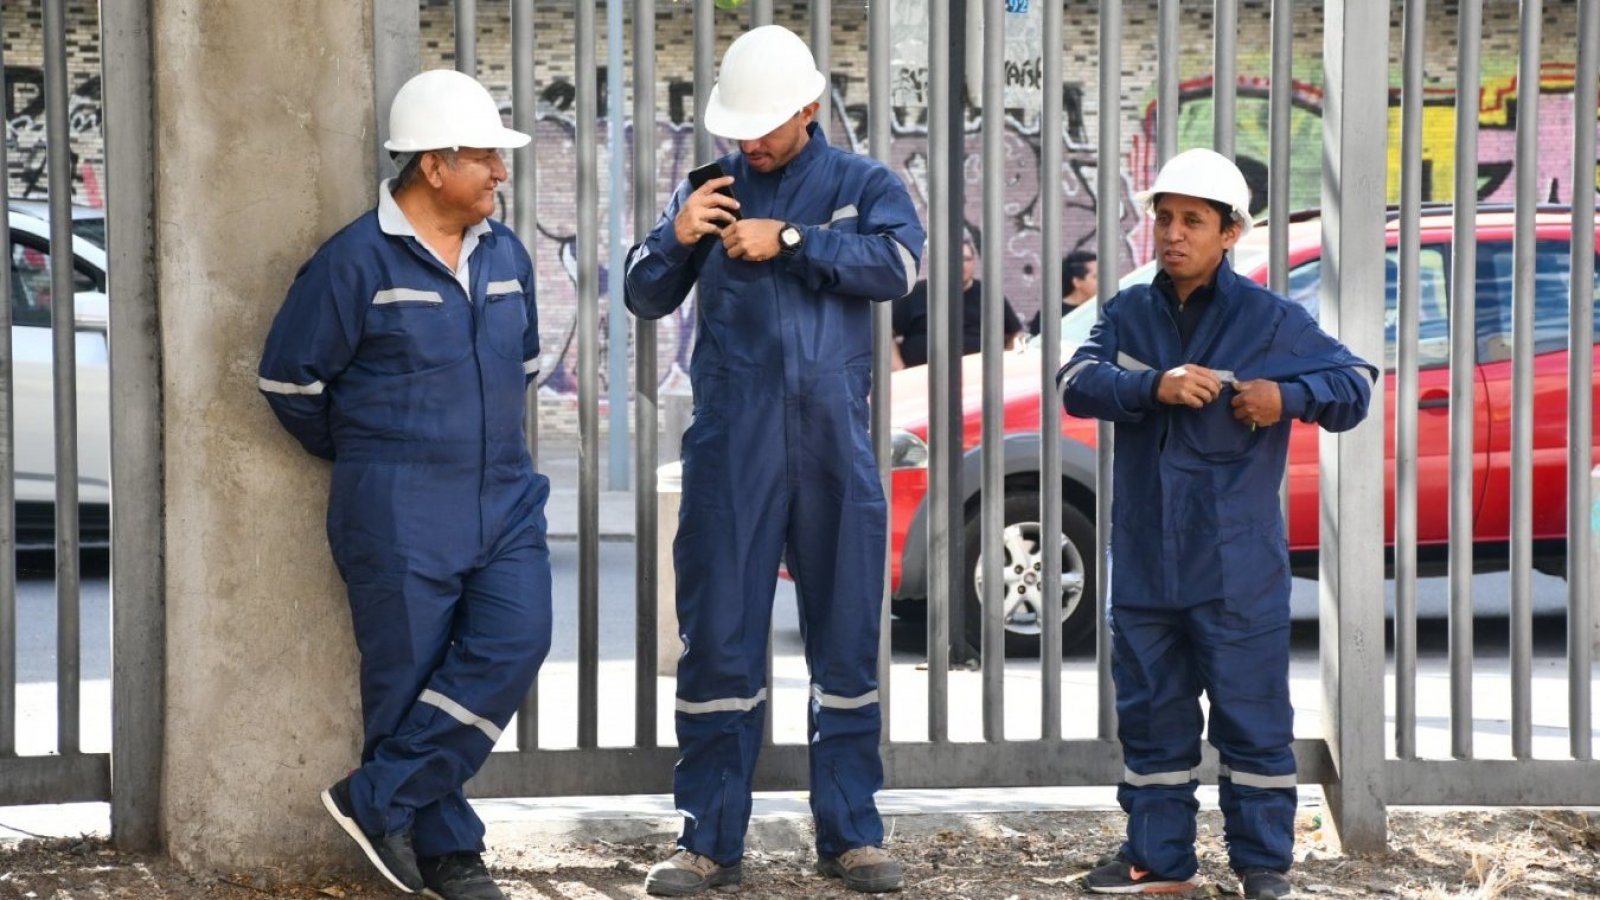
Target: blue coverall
[[777, 463], [412, 383], [1199, 590]]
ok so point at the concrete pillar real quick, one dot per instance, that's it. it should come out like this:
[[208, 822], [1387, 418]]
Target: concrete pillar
[[263, 149]]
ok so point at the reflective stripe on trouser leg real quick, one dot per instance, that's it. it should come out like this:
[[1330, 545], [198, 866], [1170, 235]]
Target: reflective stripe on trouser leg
[[725, 559], [501, 632], [835, 552], [1159, 723], [1243, 654]]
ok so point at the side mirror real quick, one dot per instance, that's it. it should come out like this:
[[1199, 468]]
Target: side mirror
[[92, 310]]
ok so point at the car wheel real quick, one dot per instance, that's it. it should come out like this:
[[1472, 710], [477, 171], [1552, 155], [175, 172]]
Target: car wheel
[[1023, 571]]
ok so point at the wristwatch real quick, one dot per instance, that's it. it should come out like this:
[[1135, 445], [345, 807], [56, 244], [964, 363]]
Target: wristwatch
[[790, 237]]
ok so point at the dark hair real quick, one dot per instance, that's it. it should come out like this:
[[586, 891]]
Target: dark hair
[[1075, 265], [1223, 209], [412, 169]]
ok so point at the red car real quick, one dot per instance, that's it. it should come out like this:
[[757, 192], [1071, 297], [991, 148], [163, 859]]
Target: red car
[[1491, 489]]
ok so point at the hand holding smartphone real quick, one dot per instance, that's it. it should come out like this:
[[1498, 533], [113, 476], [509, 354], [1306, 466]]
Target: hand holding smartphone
[[709, 172]]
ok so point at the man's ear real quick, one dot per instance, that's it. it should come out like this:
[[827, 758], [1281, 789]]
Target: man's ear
[[808, 113]]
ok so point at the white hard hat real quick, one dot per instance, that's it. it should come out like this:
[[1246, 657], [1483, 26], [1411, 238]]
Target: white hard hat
[[443, 108], [767, 76], [1206, 174]]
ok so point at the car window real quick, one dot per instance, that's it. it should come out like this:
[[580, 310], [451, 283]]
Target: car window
[[30, 283], [92, 230], [1433, 313], [1551, 282]]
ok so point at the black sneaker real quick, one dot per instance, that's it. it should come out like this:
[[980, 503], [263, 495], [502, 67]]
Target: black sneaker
[[1119, 876], [685, 872], [1265, 884], [458, 876], [391, 854]]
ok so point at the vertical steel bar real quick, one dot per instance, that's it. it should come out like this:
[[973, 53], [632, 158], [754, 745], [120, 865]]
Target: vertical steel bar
[[1225, 83], [705, 47], [467, 37], [1580, 399], [588, 380], [943, 417], [138, 645], [64, 331], [822, 51], [1522, 278], [1280, 113], [647, 511], [616, 311], [992, 599], [1406, 385], [760, 14], [396, 52], [1463, 370], [525, 192], [878, 136], [8, 466], [1168, 17], [1051, 151], [1107, 218]]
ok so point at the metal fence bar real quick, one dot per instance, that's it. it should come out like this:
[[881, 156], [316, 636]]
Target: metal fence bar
[[616, 312], [1522, 278], [822, 51], [705, 45], [1463, 368], [944, 412], [1225, 81], [588, 196], [878, 137], [138, 575], [992, 599], [1108, 234], [525, 190], [396, 56], [1580, 397], [646, 516], [8, 486], [467, 37], [1168, 15], [760, 13], [1406, 384], [1051, 152], [1279, 117], [64, 349]]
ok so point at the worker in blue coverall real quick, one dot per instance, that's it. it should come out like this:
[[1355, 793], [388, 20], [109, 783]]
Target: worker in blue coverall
[[403, 353], [777, 466], [1202, 372]]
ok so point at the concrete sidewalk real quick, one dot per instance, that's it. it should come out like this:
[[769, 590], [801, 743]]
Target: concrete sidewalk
[[559, 461]]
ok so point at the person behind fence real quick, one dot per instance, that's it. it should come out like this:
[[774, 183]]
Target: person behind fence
[[777, 466], [403, 353], [910, 315], [1080, 280], [1202, 373]]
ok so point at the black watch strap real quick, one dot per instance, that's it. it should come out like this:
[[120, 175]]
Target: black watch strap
[[786, 248]]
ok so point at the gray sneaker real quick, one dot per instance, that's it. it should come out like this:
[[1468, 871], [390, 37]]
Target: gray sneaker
[[458, 876], [391, 854], [684, 873], [868, 869]]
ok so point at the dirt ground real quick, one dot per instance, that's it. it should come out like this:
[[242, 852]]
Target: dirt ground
[[1432, 855]]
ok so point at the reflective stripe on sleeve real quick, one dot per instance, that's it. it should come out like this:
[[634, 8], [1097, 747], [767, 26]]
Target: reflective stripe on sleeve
[[530, 366], [1072, 373], [723, 704], [907, 261], [1163, 779], [460, 713], [1250, 779], [503, 287], [284, 387], [406, 295], [834, 701], [843, 212]]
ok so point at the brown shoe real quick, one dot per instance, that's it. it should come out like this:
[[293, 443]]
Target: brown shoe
[[684, 873], [868, 869]]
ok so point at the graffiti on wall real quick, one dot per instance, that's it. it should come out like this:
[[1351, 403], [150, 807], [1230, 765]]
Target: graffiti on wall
[[28, 168]]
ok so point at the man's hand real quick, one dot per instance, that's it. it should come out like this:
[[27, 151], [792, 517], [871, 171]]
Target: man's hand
[[752, 240], [704, 212], [1188, 385], [1258, 403]]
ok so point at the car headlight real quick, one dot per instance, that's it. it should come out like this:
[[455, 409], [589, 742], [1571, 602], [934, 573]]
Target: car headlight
[[907, 451]]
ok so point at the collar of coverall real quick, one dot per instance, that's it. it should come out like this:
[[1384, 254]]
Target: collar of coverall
[[1222, 280], [392, 220], [816, 143]]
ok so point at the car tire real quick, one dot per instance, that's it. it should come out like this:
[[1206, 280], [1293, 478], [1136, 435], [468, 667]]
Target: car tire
[[1079, 568]]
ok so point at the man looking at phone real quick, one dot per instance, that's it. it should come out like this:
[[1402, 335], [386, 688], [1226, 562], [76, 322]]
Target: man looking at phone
[[776, 465]]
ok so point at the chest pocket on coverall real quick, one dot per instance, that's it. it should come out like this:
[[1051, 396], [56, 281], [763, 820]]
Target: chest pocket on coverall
[[415, 330], [506, 318]]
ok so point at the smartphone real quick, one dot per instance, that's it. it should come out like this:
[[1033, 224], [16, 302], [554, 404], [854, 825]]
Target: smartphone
[[707, 172]]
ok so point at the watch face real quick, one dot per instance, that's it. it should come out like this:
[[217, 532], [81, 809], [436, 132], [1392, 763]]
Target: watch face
[[790, 236]]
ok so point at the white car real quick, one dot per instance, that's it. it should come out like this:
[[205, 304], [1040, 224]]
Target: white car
[[33, 392]]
